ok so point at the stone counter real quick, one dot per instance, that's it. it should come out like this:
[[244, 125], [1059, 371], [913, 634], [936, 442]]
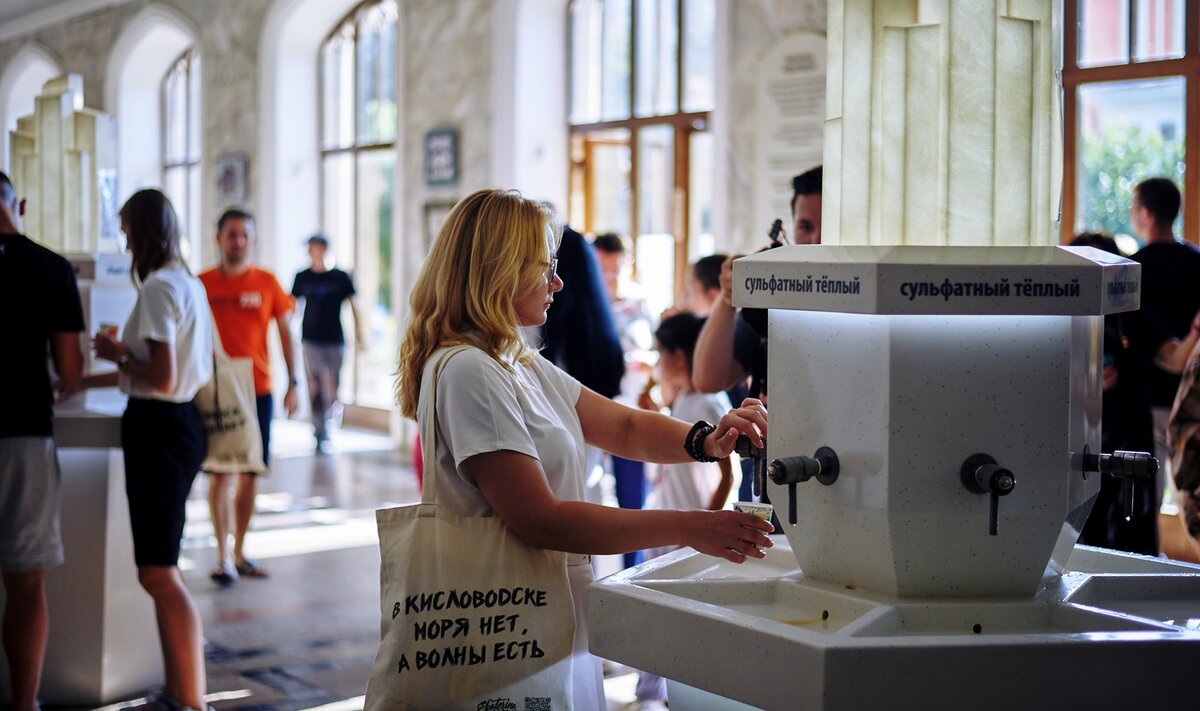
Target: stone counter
[[103, 638]]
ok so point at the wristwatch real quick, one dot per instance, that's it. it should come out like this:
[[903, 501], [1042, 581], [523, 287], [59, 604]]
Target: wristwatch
[[123, 363], [293, 382]]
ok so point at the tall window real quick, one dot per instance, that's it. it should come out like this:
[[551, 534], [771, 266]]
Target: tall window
[[358, 162], [181, 147], [641, 156], [1131, 77]]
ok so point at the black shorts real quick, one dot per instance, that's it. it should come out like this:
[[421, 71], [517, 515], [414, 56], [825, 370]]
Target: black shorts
[[164, 444], [265, 404]]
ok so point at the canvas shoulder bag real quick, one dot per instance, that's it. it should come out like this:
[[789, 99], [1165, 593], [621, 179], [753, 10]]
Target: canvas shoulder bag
[[471, 617], [1183, 439], [230, 414]]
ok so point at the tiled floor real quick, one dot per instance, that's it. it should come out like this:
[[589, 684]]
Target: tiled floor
[[305, 637]]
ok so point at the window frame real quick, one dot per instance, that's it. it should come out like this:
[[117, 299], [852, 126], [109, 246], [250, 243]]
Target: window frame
[[355, 149], [1074, 76], [190, 57], [683, 124]]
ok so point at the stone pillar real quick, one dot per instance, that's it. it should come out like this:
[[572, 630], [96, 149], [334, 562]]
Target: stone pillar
[[64, 166], [943, 122]]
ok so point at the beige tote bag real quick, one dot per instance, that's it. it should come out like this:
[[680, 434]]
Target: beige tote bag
[[472, 618], [230, 414]]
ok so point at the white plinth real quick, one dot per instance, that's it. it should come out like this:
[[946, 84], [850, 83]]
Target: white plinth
[[1104, 635], [103, 637]]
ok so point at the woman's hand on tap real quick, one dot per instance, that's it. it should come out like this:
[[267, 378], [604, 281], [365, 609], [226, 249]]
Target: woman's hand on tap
[[750, 419]]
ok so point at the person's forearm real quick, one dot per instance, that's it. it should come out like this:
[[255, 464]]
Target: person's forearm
[[287, 345], [100, 380], [650, 437], [359, 339], [712, 360], [1174, 354], [578, 527], [721, 495]]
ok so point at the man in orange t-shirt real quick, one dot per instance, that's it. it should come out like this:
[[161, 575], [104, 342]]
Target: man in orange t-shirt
[[244, 300]]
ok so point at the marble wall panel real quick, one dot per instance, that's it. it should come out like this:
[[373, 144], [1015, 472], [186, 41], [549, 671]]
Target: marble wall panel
[[945, 129], [755, 26]]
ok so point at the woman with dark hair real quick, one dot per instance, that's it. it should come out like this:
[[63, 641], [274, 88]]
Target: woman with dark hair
[[163, 358]]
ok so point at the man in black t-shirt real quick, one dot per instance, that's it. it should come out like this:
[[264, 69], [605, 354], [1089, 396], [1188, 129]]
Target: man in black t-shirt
[[324, 290], [1170, 300], [40, 312]]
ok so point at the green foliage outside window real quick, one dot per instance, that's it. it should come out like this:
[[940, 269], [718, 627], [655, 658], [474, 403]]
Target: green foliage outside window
[[1113, 163]]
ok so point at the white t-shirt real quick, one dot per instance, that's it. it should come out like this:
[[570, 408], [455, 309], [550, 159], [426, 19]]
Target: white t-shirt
[[483, 408], [690, 485], [172, 307]]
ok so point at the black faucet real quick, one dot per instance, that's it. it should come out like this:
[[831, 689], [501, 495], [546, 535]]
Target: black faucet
[[982, 475]]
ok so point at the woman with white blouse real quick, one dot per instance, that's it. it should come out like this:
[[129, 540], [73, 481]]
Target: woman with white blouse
[[513, 427], [164, 356]]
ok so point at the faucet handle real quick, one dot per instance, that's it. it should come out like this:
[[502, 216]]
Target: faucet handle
[[823, 466], [981, 474], [747, 450], [1124, 465]]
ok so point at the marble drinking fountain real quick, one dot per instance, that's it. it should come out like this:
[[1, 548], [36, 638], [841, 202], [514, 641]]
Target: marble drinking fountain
[[943, 358], [958, 391]]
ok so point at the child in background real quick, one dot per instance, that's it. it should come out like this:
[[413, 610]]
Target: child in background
[[692, 485]]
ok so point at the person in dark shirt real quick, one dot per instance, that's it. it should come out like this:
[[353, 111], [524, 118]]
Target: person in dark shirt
[[733, 345], [324, 290], [1125, 425], [1170, 298], [581, 338], [579, 335], [40, 310]]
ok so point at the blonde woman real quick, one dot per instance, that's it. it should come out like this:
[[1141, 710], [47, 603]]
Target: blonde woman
[[512, 426]]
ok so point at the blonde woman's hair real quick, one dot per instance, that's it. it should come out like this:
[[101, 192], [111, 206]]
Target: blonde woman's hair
[[494, 245]]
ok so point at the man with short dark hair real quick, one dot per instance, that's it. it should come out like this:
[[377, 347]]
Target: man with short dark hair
[[806, 206], [704, 288], [732, 348], [39, 310], [323, 290], [245, 300], [1164, 328]]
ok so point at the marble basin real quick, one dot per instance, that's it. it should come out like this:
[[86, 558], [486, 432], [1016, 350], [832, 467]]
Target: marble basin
[[761, 635], [1172, 600]]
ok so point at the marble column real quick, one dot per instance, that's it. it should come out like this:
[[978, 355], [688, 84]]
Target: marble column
[[943, 123], [64, 166]]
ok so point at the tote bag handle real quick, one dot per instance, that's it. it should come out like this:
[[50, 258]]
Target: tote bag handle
[[428, 425], [217, 347]]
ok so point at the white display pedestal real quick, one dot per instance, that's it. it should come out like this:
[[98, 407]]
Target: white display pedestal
[[103, 636]]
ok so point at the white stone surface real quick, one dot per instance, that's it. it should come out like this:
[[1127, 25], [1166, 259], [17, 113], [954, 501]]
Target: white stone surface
[[790, 113], [1074, 281], [748, 30], [1104, 635]]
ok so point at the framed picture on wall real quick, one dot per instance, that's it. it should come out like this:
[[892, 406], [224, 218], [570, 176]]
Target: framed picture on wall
[[230, 169], [435, 215], [441, 157]]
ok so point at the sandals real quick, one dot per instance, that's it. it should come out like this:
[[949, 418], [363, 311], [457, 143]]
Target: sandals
[[224, 576], [251, 569]]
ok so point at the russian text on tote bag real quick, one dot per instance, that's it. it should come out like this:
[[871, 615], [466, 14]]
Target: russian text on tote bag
[[472, 618], [230, 414]]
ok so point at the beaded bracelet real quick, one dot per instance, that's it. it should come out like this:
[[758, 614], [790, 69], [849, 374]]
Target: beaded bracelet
[[693, 444]]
